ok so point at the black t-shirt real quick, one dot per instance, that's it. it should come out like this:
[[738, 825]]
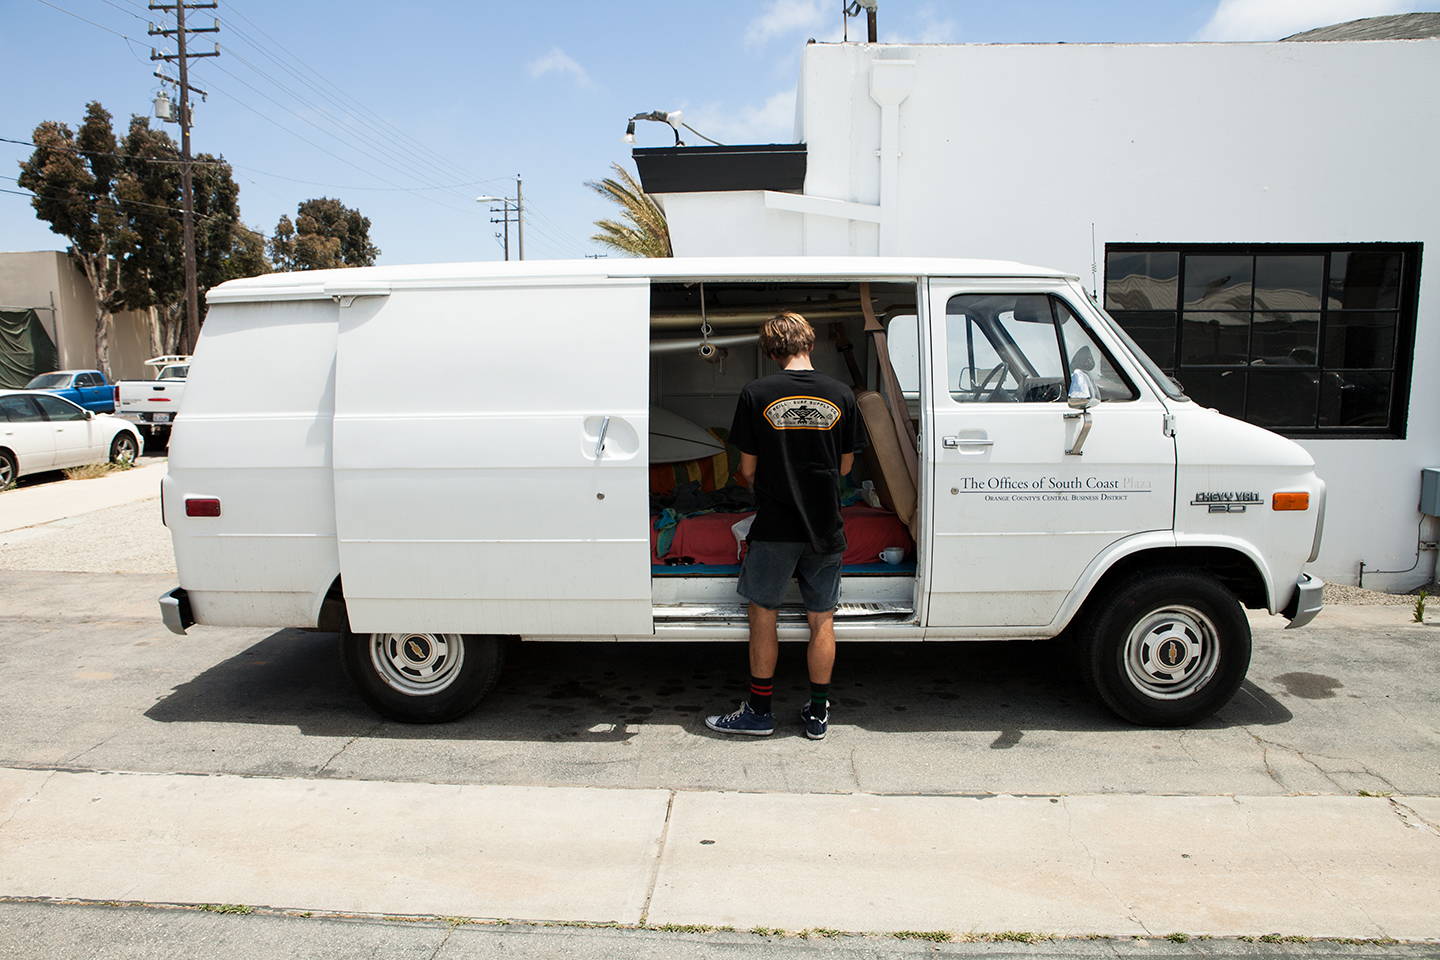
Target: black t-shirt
[[798, 423]]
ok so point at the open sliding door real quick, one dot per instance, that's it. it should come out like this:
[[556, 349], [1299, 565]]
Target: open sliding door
[[491, 459]]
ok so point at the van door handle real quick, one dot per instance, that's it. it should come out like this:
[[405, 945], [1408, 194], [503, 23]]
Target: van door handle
[[600, 440], [952, 443]]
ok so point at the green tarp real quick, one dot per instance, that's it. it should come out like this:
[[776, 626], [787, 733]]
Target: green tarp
[[25, 348]]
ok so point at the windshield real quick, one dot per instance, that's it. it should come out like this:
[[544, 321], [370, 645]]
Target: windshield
[[178, 371], [1168, 384], [49, 381]]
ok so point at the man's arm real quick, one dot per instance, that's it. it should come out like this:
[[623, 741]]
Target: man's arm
[[847, 462], [747, 468]]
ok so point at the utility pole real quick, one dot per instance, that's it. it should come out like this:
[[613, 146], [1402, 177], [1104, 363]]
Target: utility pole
[[182, 59], [505, 208]]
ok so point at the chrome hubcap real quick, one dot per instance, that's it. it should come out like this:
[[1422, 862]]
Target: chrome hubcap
[[125, 450], [6, 474], [417, 664], [1172, 652]]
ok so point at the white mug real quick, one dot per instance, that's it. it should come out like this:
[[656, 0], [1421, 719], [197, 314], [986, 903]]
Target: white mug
[[892, 555]]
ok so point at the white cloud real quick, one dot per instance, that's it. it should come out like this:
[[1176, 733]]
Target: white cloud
[[1274, 19], [781, 17], [558, 61], [770, 122]]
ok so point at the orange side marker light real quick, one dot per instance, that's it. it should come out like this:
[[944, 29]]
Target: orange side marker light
[[1290, 501]]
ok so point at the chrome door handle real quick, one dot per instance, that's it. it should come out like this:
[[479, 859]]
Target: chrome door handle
[[952, 442], [600, 440]]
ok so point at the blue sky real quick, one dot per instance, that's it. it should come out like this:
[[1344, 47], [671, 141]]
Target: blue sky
[[355, 99]]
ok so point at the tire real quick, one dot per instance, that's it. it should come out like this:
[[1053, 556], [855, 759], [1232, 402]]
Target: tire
[[422, 677], [124, 448], [9, 469], [1165, 617]]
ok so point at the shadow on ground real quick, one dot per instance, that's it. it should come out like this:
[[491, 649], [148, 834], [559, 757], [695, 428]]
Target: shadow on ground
[[589, 691]]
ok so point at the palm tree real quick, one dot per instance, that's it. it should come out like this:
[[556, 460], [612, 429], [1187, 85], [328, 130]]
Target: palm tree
[[643, 232]]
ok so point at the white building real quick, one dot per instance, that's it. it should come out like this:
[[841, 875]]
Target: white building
[[1256, 215]]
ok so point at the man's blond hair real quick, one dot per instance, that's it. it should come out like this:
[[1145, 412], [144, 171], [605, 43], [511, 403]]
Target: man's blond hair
[[786, 335]]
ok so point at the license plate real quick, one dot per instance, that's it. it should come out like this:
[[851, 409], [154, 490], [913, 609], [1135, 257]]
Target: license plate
[[162, 418]]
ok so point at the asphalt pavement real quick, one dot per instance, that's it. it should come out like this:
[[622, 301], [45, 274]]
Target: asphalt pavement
[[963, 788]]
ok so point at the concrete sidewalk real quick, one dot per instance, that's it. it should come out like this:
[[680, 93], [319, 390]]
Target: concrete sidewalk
[[31, 506], [1333, 866]]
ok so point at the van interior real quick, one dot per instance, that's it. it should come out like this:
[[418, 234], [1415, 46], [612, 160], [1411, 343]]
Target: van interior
[[703, 350]]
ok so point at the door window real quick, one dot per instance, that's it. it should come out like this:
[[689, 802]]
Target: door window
[[1083, 353], [18, 410], [1003, 348], [57, 409], [88, 380]]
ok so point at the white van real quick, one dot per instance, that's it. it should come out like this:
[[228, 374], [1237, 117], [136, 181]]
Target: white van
[[437, 459]]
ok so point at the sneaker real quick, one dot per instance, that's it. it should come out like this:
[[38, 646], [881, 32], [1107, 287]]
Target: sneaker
[[744, 721], [815, 727]]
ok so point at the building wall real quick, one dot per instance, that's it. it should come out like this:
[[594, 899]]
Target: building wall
[[1019, 151], [40, 278]]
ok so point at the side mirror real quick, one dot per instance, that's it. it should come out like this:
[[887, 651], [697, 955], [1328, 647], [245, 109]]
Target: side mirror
[[89, 414], [1083, 394]]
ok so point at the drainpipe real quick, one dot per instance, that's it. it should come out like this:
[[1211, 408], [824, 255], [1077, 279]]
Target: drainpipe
[[890, 84]]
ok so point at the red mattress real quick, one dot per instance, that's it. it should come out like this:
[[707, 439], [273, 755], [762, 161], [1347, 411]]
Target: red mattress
[[707, 538]]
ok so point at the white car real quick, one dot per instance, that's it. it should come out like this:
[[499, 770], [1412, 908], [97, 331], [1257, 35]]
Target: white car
[[40, 431]]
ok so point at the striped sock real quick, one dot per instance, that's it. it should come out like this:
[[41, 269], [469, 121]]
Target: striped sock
[[761, 690], [819, 700]]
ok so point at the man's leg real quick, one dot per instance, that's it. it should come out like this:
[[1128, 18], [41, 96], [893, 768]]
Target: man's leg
[[763, 578], [764, 653], [819, 576]]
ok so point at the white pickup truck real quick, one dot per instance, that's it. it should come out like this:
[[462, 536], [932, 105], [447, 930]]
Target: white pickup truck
[[152, 404]]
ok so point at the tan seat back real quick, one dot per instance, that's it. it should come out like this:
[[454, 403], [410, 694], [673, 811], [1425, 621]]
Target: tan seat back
[[885, 457]]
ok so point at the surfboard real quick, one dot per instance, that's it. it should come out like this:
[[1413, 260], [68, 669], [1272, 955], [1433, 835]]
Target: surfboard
[[674, 438]]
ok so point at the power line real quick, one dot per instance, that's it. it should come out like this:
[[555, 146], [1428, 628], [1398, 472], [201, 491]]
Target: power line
[[87, 20], [136, 203]]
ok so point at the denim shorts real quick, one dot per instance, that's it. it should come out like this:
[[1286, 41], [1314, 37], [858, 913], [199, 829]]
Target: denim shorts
[[769, 565]]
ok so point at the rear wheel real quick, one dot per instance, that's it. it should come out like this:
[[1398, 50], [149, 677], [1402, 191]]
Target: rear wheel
[[422, 677], [124, 449], [9, 469], [1165, 649]]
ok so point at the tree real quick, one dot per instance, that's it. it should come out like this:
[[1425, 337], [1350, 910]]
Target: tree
[[324, 234], [153, 273], [645, 232], [73, 179]]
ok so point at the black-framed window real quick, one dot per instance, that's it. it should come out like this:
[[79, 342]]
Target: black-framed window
[[1305, 339]]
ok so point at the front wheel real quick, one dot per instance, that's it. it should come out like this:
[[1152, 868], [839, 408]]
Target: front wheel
[[422, 677], [9, 469], [124, 449], [1166, 649]]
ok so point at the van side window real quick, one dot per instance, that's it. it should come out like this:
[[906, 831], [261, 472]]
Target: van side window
[[1003, 348], [1083, 353]]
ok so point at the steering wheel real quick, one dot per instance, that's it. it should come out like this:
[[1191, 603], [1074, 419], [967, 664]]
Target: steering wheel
[[996, 373]]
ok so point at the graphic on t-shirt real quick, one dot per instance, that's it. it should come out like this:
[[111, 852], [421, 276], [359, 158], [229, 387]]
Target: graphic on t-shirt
[[802, 413]]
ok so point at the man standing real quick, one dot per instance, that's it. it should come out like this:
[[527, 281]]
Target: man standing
[[796, 432]]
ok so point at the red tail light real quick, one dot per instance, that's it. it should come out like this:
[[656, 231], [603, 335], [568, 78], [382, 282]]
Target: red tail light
[[202, 507], [159, 399], [117, 393]]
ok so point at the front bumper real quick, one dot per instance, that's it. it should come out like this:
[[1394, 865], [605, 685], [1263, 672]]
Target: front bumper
[[175, 611], [1307, 602]]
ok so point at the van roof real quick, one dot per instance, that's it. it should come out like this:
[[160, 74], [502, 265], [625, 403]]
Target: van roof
[[360, 281]]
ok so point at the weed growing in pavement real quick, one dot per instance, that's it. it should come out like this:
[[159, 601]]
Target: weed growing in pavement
[[1277, 938], [92, 471], [1015, 936], [688, 928], [1373, 793], [226, 908], [934, 936], [826, 932], [767, 931], [1420, 606], [1178, 937]]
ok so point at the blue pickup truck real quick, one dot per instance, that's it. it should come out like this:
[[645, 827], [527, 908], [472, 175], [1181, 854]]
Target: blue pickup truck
[[88, 388]]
